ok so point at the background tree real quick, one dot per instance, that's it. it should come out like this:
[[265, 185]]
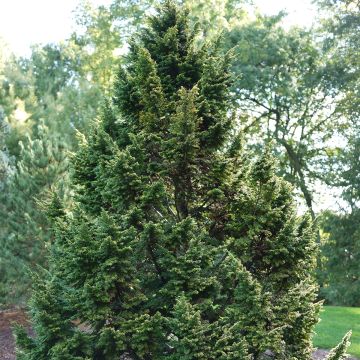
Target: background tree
[[4, 155], [341, 21], [38, 158], [42, 102], [216, 17], [103, 32], [342, 231], [25, 234], [284, 95], [176, 247]]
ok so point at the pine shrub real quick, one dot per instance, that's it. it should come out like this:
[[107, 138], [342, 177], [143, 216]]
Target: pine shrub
[[25, 231]]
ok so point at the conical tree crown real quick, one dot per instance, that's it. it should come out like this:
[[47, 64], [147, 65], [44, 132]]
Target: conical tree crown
[[178, 247]]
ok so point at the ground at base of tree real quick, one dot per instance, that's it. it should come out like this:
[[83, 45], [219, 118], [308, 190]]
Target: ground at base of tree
[[320, 354], [8, 318], [335, 322], [17, 316]]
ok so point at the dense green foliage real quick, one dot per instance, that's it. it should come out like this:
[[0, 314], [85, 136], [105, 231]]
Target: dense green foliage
[[42, 168], [342, 253], [176, 246], [283, 95]]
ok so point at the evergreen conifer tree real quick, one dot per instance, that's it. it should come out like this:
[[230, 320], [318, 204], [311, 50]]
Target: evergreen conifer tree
[[177, 246], [24, 228]]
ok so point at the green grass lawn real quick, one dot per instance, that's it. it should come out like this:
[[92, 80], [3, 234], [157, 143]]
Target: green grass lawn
[[335, 322]]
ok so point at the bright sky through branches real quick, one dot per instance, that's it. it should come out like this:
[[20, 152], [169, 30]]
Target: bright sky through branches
[[25, 22]]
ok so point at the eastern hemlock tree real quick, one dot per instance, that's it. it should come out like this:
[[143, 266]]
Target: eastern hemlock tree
[[177, 247]]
